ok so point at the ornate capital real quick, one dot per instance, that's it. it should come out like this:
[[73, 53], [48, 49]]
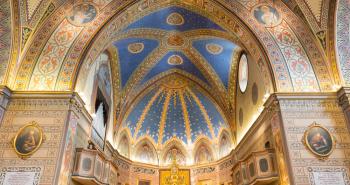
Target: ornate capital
[[272, 104], [344, 97]]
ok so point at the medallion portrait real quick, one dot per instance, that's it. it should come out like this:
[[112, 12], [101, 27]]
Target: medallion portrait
[[319, 140], [28, 140], [267, 15], [82, 14]]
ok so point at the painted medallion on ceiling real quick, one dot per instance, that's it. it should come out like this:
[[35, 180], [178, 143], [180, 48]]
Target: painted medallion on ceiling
[[82, 14], [267, 15]]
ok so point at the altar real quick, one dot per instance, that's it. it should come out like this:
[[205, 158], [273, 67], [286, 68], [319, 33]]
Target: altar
[[174, 175]]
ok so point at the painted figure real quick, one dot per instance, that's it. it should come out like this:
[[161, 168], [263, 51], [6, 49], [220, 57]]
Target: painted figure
[[266, 15], [29, 142], [83, 13]]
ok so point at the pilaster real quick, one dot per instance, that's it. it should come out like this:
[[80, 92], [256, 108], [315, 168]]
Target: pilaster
[[65, 124], [293, 114], [344, 102], [5, 94]]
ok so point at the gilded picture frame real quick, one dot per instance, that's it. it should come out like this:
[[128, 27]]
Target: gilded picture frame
[[28, 140], [319, 141]]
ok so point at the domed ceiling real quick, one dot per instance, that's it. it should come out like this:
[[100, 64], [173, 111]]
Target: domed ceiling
[[175, 39], [175, 110], [176, 70]]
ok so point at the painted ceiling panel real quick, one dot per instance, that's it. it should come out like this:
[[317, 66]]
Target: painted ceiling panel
[[137, 111], [174, 18], [198, 124], [174, 60], [175, 118], [132, 51], [215, 117], [174, 109], [151, 123], [218, 53]]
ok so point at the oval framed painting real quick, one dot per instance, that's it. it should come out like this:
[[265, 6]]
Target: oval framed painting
[[319, 140], [28, 139], [243, 73]]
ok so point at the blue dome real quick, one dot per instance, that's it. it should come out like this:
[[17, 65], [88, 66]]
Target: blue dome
[[183, 112]]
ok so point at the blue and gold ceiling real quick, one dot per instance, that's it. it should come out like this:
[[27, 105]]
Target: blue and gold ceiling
[[175, 109], [175, 39], [166, 44]]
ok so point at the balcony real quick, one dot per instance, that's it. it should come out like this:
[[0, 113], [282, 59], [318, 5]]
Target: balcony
[[258, 168], [93, 168]]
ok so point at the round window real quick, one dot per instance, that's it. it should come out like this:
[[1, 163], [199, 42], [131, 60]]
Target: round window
[[243, 73]]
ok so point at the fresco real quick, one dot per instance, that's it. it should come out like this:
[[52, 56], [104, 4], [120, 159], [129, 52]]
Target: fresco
[[203, 155], [189, 114], [123, 147], [145, 154], [225, 146], [82, 14], [180, 157], [267, 15]]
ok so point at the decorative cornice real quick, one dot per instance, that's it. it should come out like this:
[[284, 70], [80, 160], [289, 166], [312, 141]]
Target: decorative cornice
[[63, 100]]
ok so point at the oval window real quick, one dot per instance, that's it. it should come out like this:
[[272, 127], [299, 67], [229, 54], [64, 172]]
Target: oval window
[[243, 73]]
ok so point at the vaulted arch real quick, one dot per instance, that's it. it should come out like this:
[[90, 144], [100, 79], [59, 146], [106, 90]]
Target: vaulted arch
[[229, 19]]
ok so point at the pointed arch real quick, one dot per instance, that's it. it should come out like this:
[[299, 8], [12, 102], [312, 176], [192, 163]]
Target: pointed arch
[[203, 152], [145, 152]]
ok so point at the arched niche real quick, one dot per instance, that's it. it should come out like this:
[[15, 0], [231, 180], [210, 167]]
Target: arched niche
[[172, 148], [124, 146], [203, 153], [145, 152], [225, 144]]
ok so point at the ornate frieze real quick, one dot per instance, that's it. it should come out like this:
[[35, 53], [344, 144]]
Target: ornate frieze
[[138, 169], [226, 164], [121, 163], [204, 170]]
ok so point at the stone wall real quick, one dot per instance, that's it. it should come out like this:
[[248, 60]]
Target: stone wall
[[300, 111]]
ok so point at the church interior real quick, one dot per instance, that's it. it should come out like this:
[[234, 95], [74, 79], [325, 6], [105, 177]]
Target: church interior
[[175, 92]]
